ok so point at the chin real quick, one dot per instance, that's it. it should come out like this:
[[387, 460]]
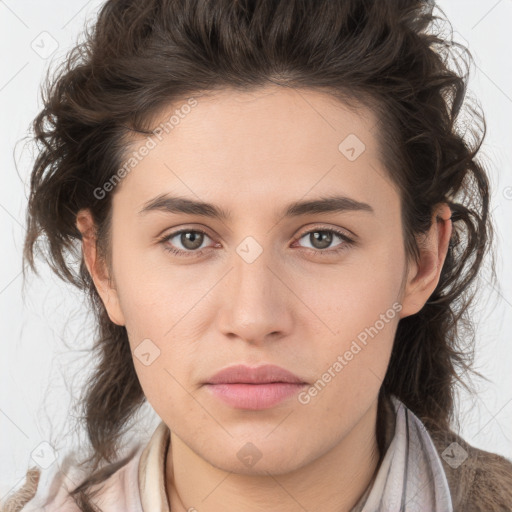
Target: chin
[[258, 458]]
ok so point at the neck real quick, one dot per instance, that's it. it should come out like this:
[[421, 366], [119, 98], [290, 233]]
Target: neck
[[333, 482]]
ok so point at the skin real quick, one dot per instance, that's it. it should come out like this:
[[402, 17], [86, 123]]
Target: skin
[[252, 154]]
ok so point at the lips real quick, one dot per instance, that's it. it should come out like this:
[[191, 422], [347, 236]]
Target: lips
[[263, 387], [265, 374]]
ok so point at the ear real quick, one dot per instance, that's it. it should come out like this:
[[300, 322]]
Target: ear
[[423, 276], [97, 267]]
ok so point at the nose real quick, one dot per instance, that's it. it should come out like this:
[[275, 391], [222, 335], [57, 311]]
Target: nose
[[256, 304]]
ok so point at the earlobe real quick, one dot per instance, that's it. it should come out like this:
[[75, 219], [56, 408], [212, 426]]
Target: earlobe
[[97, 269], [423, 275]]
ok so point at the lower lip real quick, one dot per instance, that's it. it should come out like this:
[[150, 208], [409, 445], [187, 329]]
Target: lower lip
[[254, 396]]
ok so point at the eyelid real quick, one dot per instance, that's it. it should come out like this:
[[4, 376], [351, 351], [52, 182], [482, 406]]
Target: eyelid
[[172, 234], [336, 229]]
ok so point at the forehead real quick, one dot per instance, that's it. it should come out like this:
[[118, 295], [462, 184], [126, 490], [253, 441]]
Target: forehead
[[269, 143]]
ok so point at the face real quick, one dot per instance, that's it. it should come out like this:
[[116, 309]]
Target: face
[[318, 292]]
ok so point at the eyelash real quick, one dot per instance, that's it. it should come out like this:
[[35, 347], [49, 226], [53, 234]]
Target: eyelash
[[342, 247]]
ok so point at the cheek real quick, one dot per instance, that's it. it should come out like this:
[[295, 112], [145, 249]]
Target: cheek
[[154, 294], [354, 294], [352, 363], [359, 304], [162, 382]]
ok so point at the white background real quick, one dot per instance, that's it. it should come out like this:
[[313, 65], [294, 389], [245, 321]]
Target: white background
[[45, 333]]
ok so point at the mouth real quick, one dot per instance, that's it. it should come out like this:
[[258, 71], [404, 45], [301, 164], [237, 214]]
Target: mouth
[[263, 387], [254, 396]]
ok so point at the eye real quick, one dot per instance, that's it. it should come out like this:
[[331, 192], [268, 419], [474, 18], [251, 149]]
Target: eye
[[321, 239], [190, 239]]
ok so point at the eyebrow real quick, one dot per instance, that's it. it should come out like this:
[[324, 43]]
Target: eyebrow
[[331, 204]]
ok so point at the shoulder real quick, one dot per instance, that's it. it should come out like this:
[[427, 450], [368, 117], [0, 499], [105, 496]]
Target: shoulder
[[480, 481], [42, 489], [23, 495], [49, 491]]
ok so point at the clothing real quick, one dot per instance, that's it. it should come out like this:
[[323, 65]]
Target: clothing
[[412, 475]]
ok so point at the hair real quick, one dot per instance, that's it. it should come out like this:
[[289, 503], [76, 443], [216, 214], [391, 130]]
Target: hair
[[141, 57]]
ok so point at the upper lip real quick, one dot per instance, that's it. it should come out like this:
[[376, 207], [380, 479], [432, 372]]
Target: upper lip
[[254, 375]]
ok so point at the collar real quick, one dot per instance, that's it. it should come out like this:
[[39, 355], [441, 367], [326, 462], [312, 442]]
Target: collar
[[409, 474], [151, 474]]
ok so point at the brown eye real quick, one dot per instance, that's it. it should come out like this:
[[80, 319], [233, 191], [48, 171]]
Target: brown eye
[[322, 239], [187, 242], [191, 240]]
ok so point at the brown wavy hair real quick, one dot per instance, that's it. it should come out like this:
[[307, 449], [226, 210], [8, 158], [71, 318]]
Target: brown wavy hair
[[387, 55]]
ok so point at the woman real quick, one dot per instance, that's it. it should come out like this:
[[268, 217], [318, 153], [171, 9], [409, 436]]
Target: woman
[[279, 221]]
